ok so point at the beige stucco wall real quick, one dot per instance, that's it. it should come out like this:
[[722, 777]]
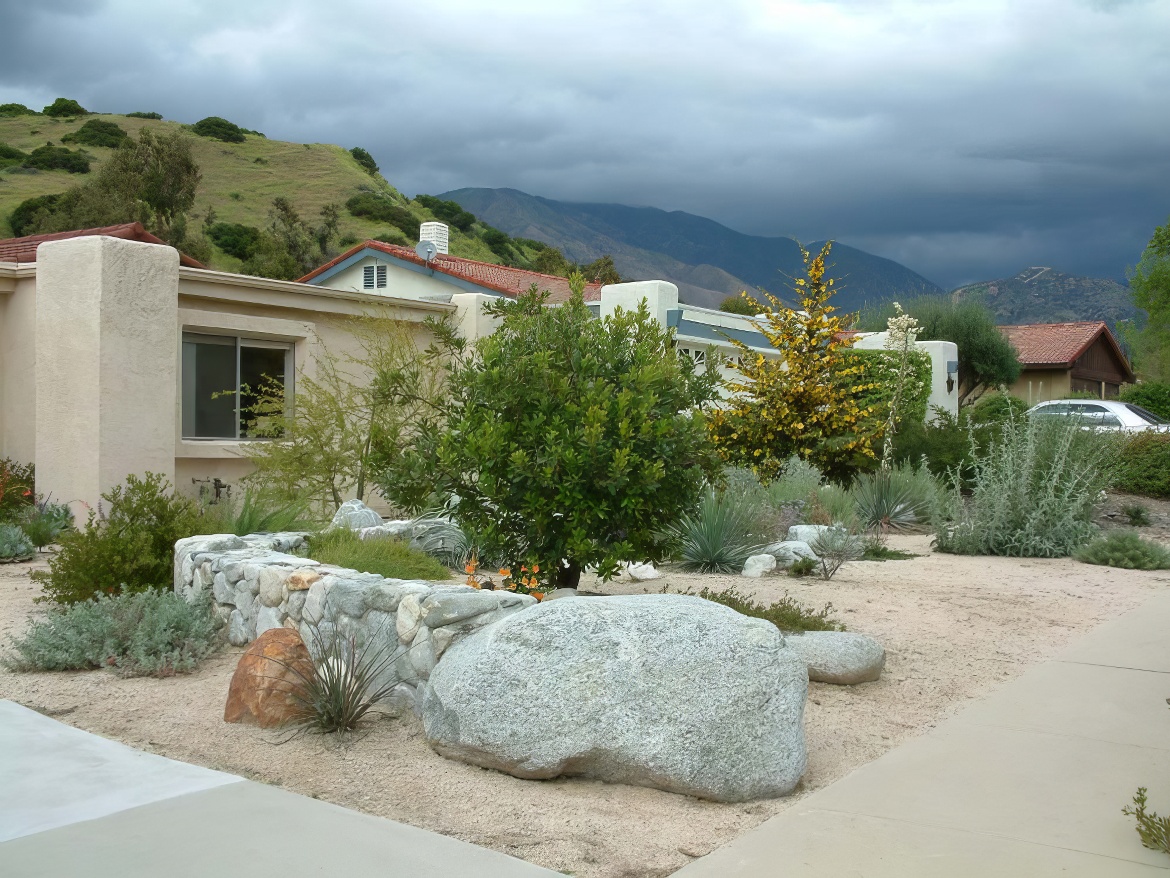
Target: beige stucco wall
[[1041, 385], [17, 354], [91, 359], [105, 377]]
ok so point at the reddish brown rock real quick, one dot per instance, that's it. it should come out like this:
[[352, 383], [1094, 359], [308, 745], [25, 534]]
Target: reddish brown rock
[[266, 679], [302, 579]]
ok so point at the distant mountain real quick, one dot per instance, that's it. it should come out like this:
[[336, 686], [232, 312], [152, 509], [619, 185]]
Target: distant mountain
[[1044, 295], [706, 260]]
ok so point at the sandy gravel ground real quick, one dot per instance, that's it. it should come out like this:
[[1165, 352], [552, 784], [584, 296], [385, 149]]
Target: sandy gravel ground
[[954, 629]]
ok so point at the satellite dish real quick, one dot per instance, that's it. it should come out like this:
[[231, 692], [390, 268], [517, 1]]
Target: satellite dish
[[427, 251]]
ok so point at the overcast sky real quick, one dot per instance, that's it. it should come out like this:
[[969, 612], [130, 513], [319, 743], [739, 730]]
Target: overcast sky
[[966, 139]]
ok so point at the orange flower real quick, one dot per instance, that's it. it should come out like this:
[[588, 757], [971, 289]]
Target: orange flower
[[523, 569], [470, 567], [535, 568], [504, 571], [539, 595]]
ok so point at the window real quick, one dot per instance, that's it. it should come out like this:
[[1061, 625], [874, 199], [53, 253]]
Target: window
[[374, 277], [1145, 414], [222, 378], [1060, 408]]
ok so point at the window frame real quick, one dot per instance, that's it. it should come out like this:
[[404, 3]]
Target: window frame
[[239, 342]]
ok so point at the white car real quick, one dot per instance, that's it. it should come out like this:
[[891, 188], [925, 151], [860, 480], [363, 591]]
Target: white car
[[1103, 414]]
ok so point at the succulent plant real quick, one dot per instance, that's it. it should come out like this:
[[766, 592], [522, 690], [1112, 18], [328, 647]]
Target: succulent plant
[[14, 545]]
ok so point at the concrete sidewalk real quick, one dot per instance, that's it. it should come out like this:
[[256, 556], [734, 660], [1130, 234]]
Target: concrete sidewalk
[[75, 804], [1028, 782]]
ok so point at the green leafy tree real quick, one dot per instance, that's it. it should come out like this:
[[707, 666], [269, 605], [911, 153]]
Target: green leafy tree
[[289, 247], [219, 129], [364, 159], [1149, 284], [805, 400], [986, 357], [566, 440]]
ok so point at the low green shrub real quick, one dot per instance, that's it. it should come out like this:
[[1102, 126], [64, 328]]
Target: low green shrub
[[57, 158], [141, 115], [1125, 549], [28, 213], [947, 443], [130, 548], [16, 110], [153, 632], [450, 212], [65, 107], [873, 549], [1144, 465], [742, 304], [831, 504], [787, 614], [98, 132], [1151, 395], [380, 208], [256, 513], [1136, 514], [15, 544], [235, 239], [802, 567], [718, 536], [44, 521], [1033, 492], [218, 128], [364, 159], [1153, 830], [10, 155], [388, 557]]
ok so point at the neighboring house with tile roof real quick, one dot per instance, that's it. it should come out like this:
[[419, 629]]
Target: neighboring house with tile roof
[[374, 266], [21, 250], [1061, 359]]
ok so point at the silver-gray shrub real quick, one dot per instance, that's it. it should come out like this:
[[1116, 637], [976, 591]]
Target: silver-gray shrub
[[151, 632], [1033, 491]]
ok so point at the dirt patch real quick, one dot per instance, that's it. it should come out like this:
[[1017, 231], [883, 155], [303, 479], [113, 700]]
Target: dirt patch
[[954, 628]]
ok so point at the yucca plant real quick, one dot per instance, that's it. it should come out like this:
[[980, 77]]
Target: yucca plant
[[255, 513], [351, 676], [717, 537], [883, 505]]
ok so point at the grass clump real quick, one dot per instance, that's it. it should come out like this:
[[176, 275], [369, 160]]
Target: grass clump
[[388, 557], [1033, 492], [1125, 549], [787, 614], [1136, 514], [152, 632], [256, 513], [1153, 830]]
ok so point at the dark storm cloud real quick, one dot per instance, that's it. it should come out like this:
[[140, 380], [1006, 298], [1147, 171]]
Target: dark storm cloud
[[966, 139]]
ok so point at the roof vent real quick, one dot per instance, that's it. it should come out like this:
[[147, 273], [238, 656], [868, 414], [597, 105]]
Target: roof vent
[[436, 233]]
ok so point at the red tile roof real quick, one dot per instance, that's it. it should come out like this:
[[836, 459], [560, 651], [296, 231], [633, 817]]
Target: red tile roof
[[1056, 344], [25, 249], [500, 278]]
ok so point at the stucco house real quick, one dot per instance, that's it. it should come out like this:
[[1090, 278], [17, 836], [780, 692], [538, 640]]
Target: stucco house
[[1060, 359], [120, 355]]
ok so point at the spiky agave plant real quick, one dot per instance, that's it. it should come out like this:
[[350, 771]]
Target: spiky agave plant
[[717, 537], [883, 504]]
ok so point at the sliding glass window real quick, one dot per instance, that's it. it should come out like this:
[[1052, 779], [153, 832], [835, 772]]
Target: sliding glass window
[[223, 378]]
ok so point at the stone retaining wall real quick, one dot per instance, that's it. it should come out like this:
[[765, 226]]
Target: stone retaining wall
[[257, 583]]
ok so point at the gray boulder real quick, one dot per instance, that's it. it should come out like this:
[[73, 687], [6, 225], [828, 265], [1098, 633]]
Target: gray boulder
[[787, 552], [665, 691], [806, 533], [840, 657], [355, 515], [757, 565]]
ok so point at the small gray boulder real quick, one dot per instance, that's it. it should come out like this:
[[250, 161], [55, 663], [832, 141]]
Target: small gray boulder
[[787, 552], [840, 657], [757, 565], [660, 690], [355, 515], [806, 533]]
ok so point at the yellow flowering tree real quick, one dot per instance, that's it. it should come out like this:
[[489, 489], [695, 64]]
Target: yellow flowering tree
[[807, 400]]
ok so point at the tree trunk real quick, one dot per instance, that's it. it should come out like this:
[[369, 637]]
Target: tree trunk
[[567, 575]]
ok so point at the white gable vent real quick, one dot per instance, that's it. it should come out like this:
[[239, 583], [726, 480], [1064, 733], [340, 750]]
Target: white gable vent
[[436, 233]]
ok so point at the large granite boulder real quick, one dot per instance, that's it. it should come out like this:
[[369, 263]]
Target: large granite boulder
[[355, 515], [840, 657], [660, 690], [264, 686]]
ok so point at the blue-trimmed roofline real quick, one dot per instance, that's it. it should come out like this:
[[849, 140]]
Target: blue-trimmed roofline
[[458, 282]]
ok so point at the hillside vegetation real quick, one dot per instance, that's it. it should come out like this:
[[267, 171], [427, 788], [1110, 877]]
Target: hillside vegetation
[[1044, 295], [239, 182]]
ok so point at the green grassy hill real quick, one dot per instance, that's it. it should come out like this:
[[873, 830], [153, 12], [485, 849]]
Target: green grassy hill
[[239, 182]]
